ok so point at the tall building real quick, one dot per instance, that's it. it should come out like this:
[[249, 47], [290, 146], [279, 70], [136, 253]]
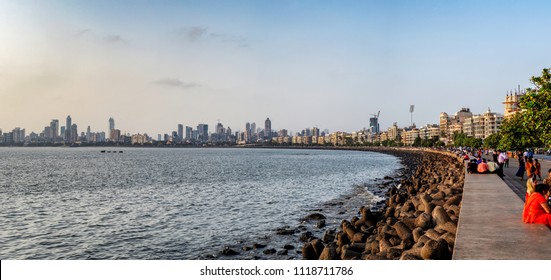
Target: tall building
[[248, 133], [374, 124], [189, 132], [315, 131], [54, 126], [111, 128], [68, 124], [88, 134], [74, 133], [203, 132], [512, 102], [180, 132], [481, 126], [267, 129], [253, 129]]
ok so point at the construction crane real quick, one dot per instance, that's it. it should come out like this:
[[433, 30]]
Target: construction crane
[[376, 116]]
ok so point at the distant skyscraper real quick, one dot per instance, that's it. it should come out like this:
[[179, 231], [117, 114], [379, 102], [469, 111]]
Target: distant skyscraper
[[203, 132], [268, 128], [248, 133], [253, 128], [88, 134], [54, 126], [180, 132], [111, 128], [68, 124], [219, 128], [315, 131], [189, 132], [74, 133]]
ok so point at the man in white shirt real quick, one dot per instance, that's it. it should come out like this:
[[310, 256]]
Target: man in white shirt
[[501, 162]]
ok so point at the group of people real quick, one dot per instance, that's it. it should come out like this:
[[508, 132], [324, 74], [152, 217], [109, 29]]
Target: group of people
[[529, 165], [482, 166], [536, 208]]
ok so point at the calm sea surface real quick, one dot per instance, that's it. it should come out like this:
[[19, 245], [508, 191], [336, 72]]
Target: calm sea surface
[[78, 203]]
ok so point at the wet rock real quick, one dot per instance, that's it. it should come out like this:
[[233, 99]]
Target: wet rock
[[258, 246], [288, 247], [269, 251], [314, 216], [308, 252], [306, 237], [320, 224], [229, 252], [329, 253], [285, 231], [282, 253]]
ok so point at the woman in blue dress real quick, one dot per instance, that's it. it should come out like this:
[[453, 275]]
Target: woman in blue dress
[[521, 167]]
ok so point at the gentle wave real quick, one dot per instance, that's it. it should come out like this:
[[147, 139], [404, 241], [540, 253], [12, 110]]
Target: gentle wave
[[63, 203]]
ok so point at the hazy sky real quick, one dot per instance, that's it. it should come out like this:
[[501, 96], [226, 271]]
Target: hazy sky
[[154, 64]]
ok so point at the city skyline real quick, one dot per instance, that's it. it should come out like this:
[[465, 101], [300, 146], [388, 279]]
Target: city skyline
[[328, 64]]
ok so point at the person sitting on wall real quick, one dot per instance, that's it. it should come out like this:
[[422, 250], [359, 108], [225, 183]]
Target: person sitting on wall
[[493, 167], [536, 209], [478, 159], [482, 167], [471, 166]]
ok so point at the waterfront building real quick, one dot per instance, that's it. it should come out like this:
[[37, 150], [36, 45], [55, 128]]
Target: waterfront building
[[247, 136], [111, 128], [512, 102], [374, 124], [315, 131], [430, 132], [115, 135], [8, 138], [450, 125], [47, 134], [409, 135], [138, 139], [18, 135], [267, 128], [180, 132], [203, 132], [74, 133], [393, 133], [68, 125], [54, 125], [189, 132], [483, 125]]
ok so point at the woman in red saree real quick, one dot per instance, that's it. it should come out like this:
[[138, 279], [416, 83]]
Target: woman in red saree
[[536, 208]]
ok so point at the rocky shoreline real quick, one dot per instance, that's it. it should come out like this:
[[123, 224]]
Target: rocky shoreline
[[415, 219], [419, 220]]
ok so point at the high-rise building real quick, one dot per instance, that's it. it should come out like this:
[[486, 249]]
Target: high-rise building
[[88, 134], [253, 129], [189, 132], [219, 128], [111, 128], [315, 131], [268, 129], [68, 131], [248, 133], [180, 132], [54, 126], [203, 132], [74, 133]]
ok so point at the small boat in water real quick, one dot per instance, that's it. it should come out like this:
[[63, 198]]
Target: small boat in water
[[103, 151]]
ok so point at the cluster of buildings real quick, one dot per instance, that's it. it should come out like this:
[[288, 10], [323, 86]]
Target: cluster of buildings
[[464, 121]]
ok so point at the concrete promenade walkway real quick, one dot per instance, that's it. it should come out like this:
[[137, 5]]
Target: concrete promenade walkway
[[490, 224]]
